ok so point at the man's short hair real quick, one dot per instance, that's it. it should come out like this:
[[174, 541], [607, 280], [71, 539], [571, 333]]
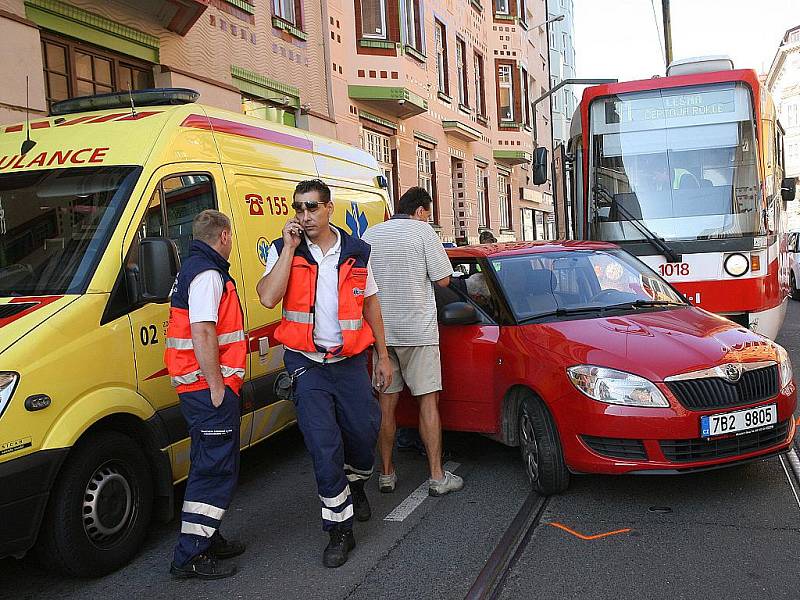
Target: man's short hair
[[314, 185], [208, 226], [413, 199], [487, 237]]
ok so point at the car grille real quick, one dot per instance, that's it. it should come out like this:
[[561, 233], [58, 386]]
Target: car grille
[[616, 448], [702, 449], [714, 392]]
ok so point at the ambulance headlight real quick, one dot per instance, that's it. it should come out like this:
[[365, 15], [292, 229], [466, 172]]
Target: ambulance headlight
[[616, 387], [784, 366], [736, 265], [8, 383]]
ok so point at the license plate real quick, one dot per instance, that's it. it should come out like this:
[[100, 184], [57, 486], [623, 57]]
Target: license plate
[[738, 421]]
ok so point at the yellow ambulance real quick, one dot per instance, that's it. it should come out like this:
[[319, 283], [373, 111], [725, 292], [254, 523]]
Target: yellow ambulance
[[96, 206]]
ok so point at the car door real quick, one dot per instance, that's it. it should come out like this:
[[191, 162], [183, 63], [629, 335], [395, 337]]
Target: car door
[[468, 400]]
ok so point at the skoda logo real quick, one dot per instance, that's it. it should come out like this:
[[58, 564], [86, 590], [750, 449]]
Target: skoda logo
[[733, 372]]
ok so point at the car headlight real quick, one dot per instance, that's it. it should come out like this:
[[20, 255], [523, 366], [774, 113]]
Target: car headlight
[[784, 366], [8, 383], [616, 387]]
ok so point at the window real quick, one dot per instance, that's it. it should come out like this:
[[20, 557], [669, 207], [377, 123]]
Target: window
[[74, 69], [526, 100], [480, 91], [287, 10], [379, 146], [553, 45], [373, 19], [502, 7], [483, 205], [424, 171], [185, 197], [503, 201], [440, 41], [792, 115], [522, 11], [506, 84], [412, 24], [461, 65]]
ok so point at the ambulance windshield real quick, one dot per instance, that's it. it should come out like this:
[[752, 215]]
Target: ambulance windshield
[[55, 225]]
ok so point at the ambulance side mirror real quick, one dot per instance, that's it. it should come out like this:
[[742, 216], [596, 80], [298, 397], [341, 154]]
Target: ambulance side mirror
[[159, 264]]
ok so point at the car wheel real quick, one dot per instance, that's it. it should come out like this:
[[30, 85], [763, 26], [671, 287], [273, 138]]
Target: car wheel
[[99, 508], [540, 447], [793, 284]]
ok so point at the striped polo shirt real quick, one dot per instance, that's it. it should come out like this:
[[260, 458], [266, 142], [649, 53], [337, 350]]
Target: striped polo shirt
[[407, 257]]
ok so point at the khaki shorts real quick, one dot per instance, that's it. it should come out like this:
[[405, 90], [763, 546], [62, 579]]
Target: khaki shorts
[[418, 367]]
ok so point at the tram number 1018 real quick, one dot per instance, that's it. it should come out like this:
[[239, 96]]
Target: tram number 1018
[[673, 269]]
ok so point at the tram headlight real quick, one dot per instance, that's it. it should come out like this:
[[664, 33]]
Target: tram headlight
[[616, 387], [736, 265], [784, 366]]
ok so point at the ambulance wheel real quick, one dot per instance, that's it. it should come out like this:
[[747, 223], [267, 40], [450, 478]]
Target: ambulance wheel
[[99, 508], [540, 447], [793, 284]]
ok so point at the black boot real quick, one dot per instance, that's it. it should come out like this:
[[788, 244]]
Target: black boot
[[361, 507], [342, 541], [201, 567], [221, 548]]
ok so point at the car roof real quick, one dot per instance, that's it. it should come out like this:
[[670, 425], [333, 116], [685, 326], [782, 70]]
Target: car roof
[[520, 248]]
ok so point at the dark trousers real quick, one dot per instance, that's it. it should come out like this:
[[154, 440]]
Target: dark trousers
[[214, 470], [339, 417]]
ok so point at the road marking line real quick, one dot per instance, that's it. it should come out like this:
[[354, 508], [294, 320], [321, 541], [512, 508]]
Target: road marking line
[[792, 455], [588, 537], [415, 498]]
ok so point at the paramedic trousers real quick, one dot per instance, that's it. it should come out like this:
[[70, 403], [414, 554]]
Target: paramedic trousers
[[339, 417], [214, 469]]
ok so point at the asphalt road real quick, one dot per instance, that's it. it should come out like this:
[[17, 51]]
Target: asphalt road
[[731, 534]]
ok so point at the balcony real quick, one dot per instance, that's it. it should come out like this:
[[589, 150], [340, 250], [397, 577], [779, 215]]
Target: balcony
[[513, 157], [176, 15], [461, 131], [399, 102]]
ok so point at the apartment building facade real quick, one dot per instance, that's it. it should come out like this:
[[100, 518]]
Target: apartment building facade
[[562, 66], [440, 92], [783, 81], [244, 55]]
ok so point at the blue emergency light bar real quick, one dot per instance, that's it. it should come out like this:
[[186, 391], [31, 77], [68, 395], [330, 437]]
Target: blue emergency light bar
[[150, 97]]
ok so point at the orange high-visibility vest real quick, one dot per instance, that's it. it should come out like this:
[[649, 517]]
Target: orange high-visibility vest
[[180, 359], [296, 329]]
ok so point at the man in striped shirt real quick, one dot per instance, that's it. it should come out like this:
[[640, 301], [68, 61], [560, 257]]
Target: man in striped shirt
[[408, 259]]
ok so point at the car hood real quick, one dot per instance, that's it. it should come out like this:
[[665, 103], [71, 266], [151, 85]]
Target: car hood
[[653, 344], [21, 314]]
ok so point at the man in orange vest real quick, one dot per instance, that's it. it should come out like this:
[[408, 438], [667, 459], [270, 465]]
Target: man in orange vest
[[331, 316], [205, 356]]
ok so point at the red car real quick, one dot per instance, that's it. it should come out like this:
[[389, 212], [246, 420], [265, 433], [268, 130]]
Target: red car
[[587, 360]]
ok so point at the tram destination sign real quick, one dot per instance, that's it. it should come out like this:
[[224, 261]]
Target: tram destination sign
[[666, 106]]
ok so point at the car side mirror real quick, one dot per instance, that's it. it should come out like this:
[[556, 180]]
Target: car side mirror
[[159, 264], [459, 313], [540, 165], [788, 188]]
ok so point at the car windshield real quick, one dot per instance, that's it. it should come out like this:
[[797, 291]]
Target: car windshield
[[579, 281], [55, 224], [682, 162]]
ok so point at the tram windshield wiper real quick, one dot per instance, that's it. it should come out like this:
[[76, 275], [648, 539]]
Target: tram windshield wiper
[[655, 241]]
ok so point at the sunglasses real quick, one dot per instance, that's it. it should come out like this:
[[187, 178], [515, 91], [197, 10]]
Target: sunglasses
[[310, 206]]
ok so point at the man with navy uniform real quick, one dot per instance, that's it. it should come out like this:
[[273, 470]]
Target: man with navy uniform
[[205, 356], [330, 317]]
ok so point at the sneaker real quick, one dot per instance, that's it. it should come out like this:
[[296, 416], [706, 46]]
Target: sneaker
[[342, 542], [221, 548], [201, 567], [386, 483], [361, 507], [449, 483]]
